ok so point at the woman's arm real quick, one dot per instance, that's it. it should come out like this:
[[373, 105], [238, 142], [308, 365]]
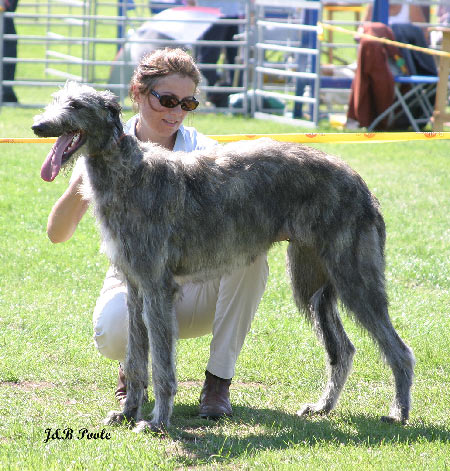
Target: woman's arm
[[416, 14], [67, 213], [367, 16]]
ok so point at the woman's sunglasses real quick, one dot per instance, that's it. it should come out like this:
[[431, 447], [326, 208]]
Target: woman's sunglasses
[[170, 101]]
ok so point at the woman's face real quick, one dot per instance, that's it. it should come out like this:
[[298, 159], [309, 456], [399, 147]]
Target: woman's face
[[156, 122]]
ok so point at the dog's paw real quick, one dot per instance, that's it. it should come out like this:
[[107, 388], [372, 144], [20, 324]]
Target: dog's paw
[[397, 415], [309, 410], [118, 418], [146, 426], [389, 419]]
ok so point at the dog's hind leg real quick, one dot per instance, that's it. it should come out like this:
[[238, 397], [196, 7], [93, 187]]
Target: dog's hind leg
[[315, 296], [339, 348], [136, 362], [372, 313], [359, 280], [399, 357]]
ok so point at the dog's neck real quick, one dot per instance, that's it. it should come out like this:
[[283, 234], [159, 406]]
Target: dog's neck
[[97, 148], [118, 159]]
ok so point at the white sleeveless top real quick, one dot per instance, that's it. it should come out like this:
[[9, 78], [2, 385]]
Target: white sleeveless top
[[402, 16]]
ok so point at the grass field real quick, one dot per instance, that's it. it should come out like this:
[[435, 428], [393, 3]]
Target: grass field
[[52, 377]]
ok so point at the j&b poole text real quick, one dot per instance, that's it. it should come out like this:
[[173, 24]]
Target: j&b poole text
[[69, 434]]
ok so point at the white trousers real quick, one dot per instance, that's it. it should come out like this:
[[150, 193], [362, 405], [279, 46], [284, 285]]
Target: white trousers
[[224, 307]]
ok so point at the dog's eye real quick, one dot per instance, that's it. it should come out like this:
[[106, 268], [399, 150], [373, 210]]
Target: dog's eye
[[76, 105]]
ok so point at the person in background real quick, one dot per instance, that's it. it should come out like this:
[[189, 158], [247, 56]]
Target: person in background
[[231, 10], [163, 88], [443, 17], [402, 13], [10, 51], [443, 14]]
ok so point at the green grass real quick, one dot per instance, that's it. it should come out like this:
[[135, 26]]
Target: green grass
[[52, 377]]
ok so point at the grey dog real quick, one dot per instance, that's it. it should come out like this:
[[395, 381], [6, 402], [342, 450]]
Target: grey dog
[[171, 217]]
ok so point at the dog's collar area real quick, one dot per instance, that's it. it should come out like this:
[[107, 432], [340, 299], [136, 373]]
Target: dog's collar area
[[119, 140]]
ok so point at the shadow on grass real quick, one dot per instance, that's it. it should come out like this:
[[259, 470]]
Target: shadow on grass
[[252, 430]]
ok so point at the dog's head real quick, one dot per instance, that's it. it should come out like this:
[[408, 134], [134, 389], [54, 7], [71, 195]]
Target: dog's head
[[73, 117]]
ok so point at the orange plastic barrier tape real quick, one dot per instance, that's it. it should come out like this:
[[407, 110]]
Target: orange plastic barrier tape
[[290, 137]]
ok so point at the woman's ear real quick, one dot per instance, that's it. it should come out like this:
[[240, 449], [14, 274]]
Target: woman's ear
[[137, 97]]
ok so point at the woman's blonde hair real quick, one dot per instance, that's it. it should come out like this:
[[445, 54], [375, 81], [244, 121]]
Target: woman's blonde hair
[[161, 63]]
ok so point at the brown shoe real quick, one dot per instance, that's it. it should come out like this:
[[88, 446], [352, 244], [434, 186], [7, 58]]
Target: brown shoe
[[215, 398], [121, 391]]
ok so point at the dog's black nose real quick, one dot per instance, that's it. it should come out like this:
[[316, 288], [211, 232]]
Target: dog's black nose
[[37, 128]]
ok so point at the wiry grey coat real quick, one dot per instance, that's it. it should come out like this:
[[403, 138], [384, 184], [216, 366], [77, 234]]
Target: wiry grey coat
[[169, 217]]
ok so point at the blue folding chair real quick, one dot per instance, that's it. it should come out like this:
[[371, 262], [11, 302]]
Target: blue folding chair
[[416, 104], [413, 107]]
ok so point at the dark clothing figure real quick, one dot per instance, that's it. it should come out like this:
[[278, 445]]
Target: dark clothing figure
[[210, 54], [373, 86], [9, 50], [418, 63]]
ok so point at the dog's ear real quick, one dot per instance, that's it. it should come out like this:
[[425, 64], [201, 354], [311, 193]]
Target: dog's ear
[[111, 102], [115, 107]]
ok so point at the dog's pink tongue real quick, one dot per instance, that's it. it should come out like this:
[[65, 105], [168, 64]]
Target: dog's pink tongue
[[50, 168]]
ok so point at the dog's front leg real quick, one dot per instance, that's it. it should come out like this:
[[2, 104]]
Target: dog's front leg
[[136, 362], [159, 317]]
